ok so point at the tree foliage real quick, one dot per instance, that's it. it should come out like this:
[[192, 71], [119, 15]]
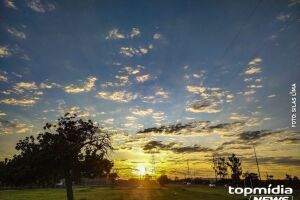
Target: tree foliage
[[235, 165], [220, 166]]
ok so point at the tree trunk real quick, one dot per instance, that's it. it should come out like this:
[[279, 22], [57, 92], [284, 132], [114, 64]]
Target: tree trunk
[[68, 182]]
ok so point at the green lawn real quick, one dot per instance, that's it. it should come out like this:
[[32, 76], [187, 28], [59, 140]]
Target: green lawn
[[120, 193], [124, 193]]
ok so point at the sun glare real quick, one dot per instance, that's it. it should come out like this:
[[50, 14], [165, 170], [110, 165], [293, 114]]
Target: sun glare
[[141, 170]]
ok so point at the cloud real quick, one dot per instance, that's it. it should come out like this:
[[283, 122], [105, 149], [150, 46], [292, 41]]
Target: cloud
[[4, 52], [143, 78], [254, 86], [14, 126], [253, 70], [156, 146], [130, 51], [18, 102], [238, 117], [2, 114], [16, 33], [161, 93], [227, 127], [38, 6], [119, 96], [195, 89], [86, 87], [27, 85], [289, 140], [135, 32], [3, 78], [287, 161], [255, 61], [272, 96], [78, 111], [283, 17], [114, 34], [156, 36], [142, 112], [158, 116], [123, 79], [177, 129], [131, 71], [191, 149], [206, 106], [109, 121], [254, 135], [10, 4], [249, 92]]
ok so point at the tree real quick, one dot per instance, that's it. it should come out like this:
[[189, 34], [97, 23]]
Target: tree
[[251, 178], [113, 177], [163, 179], [69, 146], [220, 167], [234, 164]]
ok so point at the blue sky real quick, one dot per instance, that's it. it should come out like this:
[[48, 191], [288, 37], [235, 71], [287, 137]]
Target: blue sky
[[131, 65]]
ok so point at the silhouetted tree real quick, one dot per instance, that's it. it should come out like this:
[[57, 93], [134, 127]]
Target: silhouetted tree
[[236, 167], [250, 178], [113, 177], [220, 167], [163, 179], [71, 147]]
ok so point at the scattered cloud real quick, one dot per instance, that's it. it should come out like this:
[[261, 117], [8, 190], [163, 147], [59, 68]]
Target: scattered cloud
[[10, 4], [3, 78], [283, 17], [206, 106], [4, 52], [143, 78], [86, 87], [160, 92], [38, 6], [253, 70], [195, 89], [131, 51], [109, 121], [272, 96], [131, 70], [238, 117], [114, 34], [156, 146], [142, 112], [2, 114], [26, 85], [16, 33], [119, 96], [156, 36], [15, 126], [18, 102], [135, 32]]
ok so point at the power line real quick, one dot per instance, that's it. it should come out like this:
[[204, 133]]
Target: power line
[[240, 29]]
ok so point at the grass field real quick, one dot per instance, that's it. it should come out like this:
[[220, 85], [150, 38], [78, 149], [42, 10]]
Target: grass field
[[120, 193], [124, 193]]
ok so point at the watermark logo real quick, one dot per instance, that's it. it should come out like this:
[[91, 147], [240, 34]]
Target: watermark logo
[[264, 193], [294, 105], [275, 197]]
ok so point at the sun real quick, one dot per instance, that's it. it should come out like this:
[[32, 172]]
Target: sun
[[141, 170]]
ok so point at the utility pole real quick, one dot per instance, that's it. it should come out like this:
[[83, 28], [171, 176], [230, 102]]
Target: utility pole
[[153, 162], [257, 163], [188, 168]]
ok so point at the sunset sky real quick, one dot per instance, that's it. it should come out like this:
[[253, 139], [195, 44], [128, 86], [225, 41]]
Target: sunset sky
[[183, 79]]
